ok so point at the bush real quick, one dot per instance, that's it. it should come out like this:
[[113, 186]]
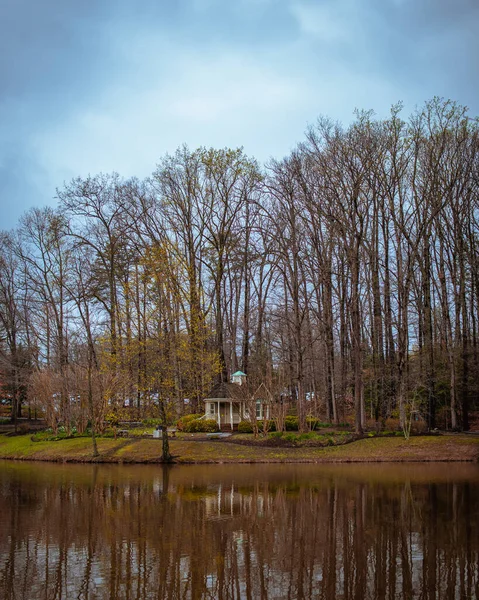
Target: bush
[[307, 436], [392, 424], [48, 436], [245, 427], [315, 423], [185, 419], [291, 423], [419, 426], [270, 426], [152, 422], [203, 426]]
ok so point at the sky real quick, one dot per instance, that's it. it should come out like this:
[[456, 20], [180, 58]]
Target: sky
[[113, 85]]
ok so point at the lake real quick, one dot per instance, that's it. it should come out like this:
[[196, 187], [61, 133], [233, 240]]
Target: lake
[[239, 531]]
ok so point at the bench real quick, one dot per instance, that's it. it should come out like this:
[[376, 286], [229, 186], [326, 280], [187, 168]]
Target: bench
[[171, 430], [122, 433]]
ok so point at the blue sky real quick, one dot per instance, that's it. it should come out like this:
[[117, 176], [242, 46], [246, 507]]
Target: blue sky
[[102, 85]]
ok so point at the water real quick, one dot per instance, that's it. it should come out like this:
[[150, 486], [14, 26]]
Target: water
[[239, 531]]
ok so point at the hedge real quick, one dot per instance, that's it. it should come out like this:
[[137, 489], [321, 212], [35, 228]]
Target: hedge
[[200, 426], [291, 423], [185, 419]]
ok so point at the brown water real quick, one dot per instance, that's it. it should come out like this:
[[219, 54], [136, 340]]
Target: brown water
[[248, 531]]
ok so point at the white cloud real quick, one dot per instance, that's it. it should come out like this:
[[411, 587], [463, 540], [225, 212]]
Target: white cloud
[[331, 22], [167, 94], [218, 89], [251, 73], [223, 99]]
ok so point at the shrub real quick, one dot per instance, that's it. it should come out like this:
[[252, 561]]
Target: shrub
[[315, 423], [419, 426], [245, 427], [291, 423], [151, 422], [49, 436], [306, 436], [270, 426], [185, 419], [191, 417], [203, 426], [392, 424]]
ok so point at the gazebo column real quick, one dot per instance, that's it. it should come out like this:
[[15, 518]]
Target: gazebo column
[[219, 415], [231, 415]]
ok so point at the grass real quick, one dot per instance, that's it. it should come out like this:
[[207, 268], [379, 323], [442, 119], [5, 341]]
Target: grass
[[311, 438], [185, 450]]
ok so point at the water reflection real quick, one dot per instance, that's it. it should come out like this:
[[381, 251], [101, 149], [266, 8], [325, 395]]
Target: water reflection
[[293, 531]]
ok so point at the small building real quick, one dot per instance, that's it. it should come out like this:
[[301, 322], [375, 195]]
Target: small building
[[229, 403]]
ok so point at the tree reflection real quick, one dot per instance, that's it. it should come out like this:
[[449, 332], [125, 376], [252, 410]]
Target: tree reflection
[[171, 535]]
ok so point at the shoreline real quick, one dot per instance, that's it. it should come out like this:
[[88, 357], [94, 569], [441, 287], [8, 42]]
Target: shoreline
[[457, 448]]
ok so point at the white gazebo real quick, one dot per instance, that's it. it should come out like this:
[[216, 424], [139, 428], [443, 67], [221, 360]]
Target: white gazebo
[[228, 403], [225, 404]]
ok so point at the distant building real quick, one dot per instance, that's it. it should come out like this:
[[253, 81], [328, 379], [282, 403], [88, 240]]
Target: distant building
[[228, 403]]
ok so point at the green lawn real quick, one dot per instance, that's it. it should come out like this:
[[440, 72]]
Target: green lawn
[[184, 450]]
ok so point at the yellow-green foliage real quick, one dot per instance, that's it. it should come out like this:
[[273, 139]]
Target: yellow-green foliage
[[245, 427], [185, 419], [201, 426]]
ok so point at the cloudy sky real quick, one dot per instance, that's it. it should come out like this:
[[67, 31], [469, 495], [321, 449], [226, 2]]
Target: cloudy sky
[[112, 85]]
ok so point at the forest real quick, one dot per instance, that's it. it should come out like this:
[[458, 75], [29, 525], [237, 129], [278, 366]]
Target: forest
[[343, 279]]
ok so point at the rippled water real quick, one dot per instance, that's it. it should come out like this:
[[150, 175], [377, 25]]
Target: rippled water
[[242, 531]]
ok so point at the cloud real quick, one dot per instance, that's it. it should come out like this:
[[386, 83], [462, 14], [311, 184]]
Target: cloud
[[115, 85], [221, 86], [201, 100], [329, 22]]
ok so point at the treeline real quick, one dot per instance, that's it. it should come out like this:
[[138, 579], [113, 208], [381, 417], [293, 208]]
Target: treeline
[[345, 278]]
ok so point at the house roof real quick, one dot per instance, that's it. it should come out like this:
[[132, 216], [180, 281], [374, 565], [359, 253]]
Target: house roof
[[225, 391]]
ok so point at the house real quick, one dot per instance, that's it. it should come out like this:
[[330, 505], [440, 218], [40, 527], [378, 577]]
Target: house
[[230, 403]]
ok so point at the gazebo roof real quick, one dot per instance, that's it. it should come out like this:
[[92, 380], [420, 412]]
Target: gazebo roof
[[225, 391], [239, 374]]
